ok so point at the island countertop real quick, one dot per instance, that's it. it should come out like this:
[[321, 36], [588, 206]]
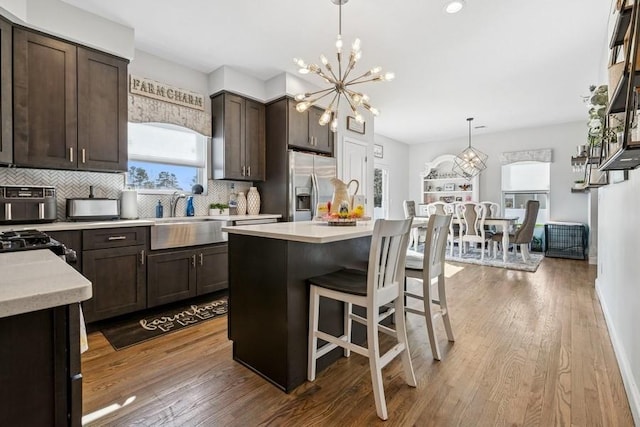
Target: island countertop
[[304, 231], [142, 222], [38, 279]]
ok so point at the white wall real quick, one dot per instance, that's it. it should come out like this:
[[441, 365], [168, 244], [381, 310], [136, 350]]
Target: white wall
[[563, 139], [396, 160], [618, 282], [61, 19]]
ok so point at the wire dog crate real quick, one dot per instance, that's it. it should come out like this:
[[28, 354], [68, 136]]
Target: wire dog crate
[[565, 240]]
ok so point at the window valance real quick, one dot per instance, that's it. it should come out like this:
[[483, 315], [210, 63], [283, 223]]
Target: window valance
[[544, 155], [145, 110]]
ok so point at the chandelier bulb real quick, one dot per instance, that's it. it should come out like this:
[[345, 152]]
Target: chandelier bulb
[[303, 106], [375, 70], [388, 76], [324, 60], [299, 97], [359, 118], [355, 46], [339, 43], [325, 117], [334, 124]]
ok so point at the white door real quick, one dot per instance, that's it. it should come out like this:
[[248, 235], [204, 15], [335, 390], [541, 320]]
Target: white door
[[380, 192], [354, 166]]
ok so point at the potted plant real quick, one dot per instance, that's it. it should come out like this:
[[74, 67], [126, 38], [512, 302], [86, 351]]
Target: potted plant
[[216, 209], [601, 131]]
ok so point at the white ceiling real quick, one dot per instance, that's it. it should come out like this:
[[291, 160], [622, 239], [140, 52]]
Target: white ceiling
[[508, 63]]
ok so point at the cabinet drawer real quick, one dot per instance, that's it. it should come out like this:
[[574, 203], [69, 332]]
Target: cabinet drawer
[[114, 237]]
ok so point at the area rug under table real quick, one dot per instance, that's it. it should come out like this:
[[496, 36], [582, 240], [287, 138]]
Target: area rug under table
[[514, 262], [146, 325]]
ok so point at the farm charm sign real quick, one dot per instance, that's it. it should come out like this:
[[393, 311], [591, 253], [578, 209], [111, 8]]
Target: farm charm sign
[[160, 91]]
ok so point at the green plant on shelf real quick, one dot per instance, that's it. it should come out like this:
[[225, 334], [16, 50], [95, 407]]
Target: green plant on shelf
[[219, 206]]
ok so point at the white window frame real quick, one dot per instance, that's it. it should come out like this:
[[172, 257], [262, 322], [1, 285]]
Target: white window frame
[[202, 171]]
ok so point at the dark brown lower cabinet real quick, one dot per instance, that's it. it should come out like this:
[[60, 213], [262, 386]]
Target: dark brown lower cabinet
[[40, 379], [72, 239], [177, 275], [119, 281]]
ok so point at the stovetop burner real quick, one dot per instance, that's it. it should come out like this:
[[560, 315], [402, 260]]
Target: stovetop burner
[[28, 239]]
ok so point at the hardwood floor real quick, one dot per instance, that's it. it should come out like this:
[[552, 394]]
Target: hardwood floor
[[531, 349]]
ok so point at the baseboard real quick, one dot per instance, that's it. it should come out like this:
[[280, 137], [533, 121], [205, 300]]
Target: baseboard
[[630, 386], [593, 260]]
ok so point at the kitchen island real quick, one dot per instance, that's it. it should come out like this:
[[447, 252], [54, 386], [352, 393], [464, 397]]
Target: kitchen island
[[269, 298], [40, 299]]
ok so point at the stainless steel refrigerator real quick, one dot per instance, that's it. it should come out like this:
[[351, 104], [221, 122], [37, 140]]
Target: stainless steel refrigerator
[[309, 177]]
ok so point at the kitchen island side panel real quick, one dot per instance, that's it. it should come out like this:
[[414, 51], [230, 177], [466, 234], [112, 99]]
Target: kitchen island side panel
[[269, 302]]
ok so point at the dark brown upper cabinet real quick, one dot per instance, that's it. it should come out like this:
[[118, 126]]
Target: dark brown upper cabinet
[[238, 138], [6, 114], [70, 105], [305, 132], [102, 111]]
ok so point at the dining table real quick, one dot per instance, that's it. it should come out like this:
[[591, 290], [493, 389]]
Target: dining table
[[505, 224]]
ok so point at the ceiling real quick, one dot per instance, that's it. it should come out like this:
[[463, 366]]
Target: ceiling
[[508, 63]]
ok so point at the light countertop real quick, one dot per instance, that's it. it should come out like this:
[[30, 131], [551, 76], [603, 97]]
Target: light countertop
[[304, 231], [36, 280], [86, 225]]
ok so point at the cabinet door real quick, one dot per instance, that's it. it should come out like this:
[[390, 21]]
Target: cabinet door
[[171, 277], [234, 137], [118, 277], [102, 111], [298, 127], [255, 140], [72, 239], [319, 136], [37, 360], [213, 273], [6, 111], [44, 101]]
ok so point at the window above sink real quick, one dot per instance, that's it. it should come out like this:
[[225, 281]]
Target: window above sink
[[164, 158]]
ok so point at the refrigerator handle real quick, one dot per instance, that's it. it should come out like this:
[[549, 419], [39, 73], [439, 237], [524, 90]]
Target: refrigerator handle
[[314, 195]]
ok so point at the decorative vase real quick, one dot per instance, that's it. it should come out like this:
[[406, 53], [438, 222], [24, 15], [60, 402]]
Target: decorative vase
[[253, 201], [241, 206]]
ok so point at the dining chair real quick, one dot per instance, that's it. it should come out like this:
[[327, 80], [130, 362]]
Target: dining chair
[[523, 234], [373, 289], [428, 267], [436, 208], [409, 207], [493, 211], [453, 237], [472, 218]]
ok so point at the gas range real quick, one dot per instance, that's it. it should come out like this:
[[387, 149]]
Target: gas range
[[24, 240]]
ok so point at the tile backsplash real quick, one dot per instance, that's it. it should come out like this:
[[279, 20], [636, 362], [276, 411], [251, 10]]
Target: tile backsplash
[[75, 184]]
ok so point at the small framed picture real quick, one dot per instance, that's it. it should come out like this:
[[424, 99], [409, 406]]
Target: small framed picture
[[458, 199], [449, 187], [354, 126], [378, 151]]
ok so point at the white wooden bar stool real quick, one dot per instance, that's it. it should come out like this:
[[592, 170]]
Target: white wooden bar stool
[[381, 284], [429, 268]]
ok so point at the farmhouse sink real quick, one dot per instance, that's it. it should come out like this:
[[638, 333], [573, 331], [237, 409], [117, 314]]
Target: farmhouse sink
[[181, 232]]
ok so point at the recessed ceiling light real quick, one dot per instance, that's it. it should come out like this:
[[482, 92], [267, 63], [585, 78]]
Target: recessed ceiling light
[[454, 6]]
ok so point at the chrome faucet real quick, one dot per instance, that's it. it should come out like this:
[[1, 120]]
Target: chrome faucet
[[174, 202]]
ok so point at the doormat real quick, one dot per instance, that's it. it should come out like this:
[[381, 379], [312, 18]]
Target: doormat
[[146, 325]]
